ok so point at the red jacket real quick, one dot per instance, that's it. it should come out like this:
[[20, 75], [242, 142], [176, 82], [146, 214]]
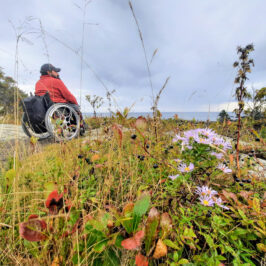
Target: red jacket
[[59, 93]]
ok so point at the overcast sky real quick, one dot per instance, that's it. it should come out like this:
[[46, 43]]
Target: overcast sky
[[196, 42]]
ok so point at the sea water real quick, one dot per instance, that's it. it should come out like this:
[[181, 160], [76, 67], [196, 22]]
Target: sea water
[[198, 116]]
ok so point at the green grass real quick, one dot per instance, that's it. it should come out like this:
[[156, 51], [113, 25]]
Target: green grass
[[113, 190]]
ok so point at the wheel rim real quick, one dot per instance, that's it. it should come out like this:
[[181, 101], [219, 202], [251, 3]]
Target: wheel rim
[[63, 123]]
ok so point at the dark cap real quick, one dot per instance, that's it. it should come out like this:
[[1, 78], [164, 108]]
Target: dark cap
[[49, 67]]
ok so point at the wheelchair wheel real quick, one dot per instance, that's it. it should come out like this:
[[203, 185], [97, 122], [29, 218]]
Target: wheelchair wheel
[[62, 122], [29, 131]]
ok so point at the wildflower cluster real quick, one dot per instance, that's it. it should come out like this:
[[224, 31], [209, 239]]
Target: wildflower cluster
[[208, 197], [203, 136]]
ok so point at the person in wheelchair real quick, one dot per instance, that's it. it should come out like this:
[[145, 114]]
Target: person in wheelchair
[[59, 93]]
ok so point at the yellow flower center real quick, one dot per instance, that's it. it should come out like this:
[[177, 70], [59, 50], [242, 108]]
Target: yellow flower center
[[205, 202], [187, 169]]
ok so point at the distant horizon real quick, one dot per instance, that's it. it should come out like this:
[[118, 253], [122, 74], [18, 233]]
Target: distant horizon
[[165, 112], [199, 116]]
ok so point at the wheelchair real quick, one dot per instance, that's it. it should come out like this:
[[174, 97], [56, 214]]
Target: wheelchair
[[61, 123]]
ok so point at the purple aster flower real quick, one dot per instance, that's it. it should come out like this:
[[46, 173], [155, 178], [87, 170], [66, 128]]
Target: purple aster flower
[[205, 191], [173, 177], [217, 155], [206, 201], [224, 168], [227, 146], [207, 132], [202, 140], [178, 161], [221, 142], [183, 168], [219, 202], [216, 140], [191, 134], [177, 138]]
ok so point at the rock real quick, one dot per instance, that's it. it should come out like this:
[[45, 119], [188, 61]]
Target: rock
[[11, 132]]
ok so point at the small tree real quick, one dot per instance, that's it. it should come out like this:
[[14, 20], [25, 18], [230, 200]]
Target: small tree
[[7, 91], [244, 67], [256, 108], [223, 116], [95, 101], [108, 96]]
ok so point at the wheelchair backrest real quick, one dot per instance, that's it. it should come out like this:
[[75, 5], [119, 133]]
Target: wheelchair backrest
[[36, 107]]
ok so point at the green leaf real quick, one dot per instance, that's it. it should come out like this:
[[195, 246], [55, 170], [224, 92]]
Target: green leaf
[[183, 261], [75, 259], [127, 219], [140, 208], [171, 244], [189, 233], [99, 247], [74, 216], [209, 241], [256, 204], [220, 257], [176, 256], [10, 175], [231, 250], [118, 241], [111, 258], [142, 205]]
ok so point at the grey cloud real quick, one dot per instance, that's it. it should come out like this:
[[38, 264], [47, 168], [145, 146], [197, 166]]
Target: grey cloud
[[196, 40]]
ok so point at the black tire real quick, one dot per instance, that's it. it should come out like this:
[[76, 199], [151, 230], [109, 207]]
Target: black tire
[[62, 122], [27, 129]]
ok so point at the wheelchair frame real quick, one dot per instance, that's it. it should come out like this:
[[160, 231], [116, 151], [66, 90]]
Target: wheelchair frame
[[62, 122]]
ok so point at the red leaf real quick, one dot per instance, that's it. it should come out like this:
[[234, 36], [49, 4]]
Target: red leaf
[[73, 230], [54, 202], [133, 242], [141, 123], [230, 195], [33, 216], [246, 194], [166, 223], [99, 165], [33, 229], [141, 260]]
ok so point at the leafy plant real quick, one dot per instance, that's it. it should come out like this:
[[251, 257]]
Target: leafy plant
[[241, 93], [95, 101]]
